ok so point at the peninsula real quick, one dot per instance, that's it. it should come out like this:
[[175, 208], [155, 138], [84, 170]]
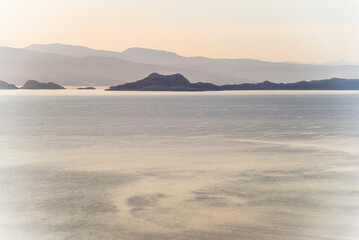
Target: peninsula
[[177, 82]]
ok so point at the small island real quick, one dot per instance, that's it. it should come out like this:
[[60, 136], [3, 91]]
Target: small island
[[177, 82], [5, 85], [32, 84], [86, 88], [158, 82]]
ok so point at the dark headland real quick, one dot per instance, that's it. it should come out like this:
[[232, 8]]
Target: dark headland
[[32, 84], [158, 82], [177, 82], [5, 85]]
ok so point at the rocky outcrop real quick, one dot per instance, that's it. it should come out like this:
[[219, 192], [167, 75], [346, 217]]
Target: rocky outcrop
[[5, 85], [32, 84], [158, 82], [86, 88]]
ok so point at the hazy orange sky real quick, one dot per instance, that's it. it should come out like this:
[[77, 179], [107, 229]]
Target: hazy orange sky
[[274, 30]]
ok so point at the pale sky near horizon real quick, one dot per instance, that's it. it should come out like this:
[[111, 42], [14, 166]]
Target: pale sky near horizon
[[272, 30]]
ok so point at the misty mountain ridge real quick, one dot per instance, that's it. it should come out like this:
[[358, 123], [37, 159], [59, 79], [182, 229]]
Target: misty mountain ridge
[[146, 55], [78, 65], [136, 54], [231, 70], [19, 65], [340, 62]]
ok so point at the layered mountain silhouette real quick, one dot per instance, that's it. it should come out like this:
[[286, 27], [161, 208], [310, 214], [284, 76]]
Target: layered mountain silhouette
[[77, 65], [177, 82], [5, 85], [18, 65]]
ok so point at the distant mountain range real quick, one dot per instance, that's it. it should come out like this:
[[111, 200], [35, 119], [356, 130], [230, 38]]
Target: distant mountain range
[[77, 65], [177, 82]]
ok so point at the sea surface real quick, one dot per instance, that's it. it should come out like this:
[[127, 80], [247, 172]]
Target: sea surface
[[91, 164]]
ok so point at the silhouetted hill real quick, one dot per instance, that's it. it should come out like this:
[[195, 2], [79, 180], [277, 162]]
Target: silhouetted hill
[[327, 84], [158, 82], [177, 82], [32, 84], [5, 85]]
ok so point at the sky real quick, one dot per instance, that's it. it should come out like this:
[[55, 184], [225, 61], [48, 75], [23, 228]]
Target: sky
[[272, 30]]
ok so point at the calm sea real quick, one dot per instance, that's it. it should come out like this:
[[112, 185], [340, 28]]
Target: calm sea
[[177, 166]]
